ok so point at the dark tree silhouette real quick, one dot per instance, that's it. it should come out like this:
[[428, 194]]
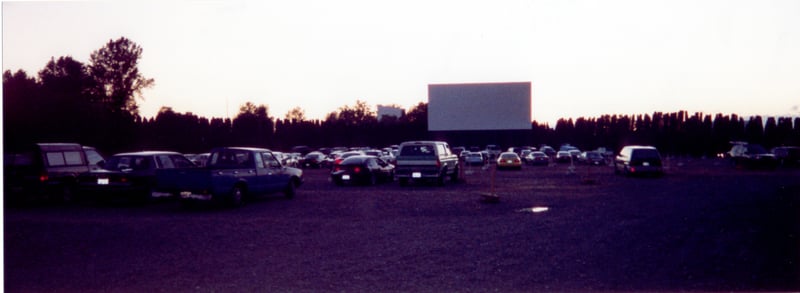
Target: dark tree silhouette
[[117, 79]]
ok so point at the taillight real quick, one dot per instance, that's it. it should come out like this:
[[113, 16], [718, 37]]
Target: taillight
[[123, 179], [337, 168], [43, 178], [357, 169], [438, 164]]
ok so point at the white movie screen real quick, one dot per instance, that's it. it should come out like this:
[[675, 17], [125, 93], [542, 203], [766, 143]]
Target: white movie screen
[[479, 106]]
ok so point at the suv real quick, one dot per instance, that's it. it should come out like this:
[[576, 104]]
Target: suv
[[420, 160], [47, 170], [638, 160], [751, 156]]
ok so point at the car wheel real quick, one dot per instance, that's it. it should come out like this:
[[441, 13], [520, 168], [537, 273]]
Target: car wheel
[[236, 196], [454, 176], [289, 192], [67, 194]]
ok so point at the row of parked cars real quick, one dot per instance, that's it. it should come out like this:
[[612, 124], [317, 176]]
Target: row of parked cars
[[65, 171], [68, 171]]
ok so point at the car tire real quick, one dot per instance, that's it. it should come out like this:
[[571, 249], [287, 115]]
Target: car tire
[[454, 176], [237, 196], [290, 191], [67, 194]]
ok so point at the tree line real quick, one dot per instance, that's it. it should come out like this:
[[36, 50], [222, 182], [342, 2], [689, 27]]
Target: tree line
[[96, 104]]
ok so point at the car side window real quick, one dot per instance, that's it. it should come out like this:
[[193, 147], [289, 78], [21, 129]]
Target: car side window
[[93, 157], [181, 162], [164, 162], [270, 161], [441, 149]]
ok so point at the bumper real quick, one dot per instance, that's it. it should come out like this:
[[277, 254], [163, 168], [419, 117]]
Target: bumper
[[188, 195]]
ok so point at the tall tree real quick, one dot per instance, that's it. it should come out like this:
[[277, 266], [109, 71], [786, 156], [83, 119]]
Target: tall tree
[[296, 114], [116, 74], [21, 100]]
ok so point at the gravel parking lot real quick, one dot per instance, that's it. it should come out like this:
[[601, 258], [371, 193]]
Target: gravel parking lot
[[702, 226]]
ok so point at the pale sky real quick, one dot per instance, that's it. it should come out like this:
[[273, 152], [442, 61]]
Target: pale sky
[[584, 58]]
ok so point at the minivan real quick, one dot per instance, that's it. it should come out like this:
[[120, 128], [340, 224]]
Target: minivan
[[47, 170], [638, 160]]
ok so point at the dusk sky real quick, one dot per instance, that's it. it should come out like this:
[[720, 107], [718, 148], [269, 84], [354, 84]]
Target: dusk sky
[[583, 58]]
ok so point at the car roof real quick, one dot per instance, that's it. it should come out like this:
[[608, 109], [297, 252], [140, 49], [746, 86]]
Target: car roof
[[422, 142], [252, 149], [640, 147], [59, 146], [360, 158], [147, 153]]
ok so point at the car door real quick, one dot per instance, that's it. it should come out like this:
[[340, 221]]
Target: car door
[[274, 177]]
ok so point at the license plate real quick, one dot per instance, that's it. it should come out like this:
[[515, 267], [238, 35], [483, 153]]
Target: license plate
[[102, 181], [345, 177], [416, 175], [646, 164], [509, 161]]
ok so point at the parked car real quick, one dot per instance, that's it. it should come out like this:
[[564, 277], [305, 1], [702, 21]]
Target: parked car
[[787, 156], [312, 160], [46, 170], [232, 176], [592, 158], [344, 155], [363, 169], [509, 160], [638, 160], [130, 175], [538, 158], [426, 160], [474, 159], [492, 151], [524, 154], [563, 157], [751, 156], [548, 150]]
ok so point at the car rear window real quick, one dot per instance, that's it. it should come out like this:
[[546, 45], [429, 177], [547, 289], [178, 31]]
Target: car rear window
[[353, 160], [56, 159], [418, 150], [645, 154], [508, 156]]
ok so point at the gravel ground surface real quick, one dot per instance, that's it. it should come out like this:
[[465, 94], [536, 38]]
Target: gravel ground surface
[[704, 226]]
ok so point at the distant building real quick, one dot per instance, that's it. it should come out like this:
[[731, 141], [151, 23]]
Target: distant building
[[390, 111]]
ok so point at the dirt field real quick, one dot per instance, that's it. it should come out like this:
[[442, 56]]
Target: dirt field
[[703, 226]]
